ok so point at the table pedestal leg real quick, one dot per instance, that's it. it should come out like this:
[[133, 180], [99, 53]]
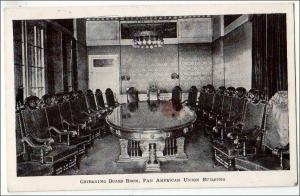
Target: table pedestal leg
[[124, 157], [160, 146], [180, 148], [152, 164], [145, 149]]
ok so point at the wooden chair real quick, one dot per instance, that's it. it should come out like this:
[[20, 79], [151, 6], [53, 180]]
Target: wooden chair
[[99, 99], [235, 113], [38, 134], [92, 104], [26, 167], [110, 98], [192, 97], [274, 154], [153, 93], [176, 94], [216, 110], [55, 122], [241, 138], [205, 103], [63, 102], [132, 95], [80, 116]]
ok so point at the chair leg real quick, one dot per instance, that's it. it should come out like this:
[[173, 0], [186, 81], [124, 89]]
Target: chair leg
[[231, 165], [216, 163]]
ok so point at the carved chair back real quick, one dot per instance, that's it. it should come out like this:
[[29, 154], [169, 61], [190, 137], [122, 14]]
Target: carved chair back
[[206, 98], [65, 111], [110, 98], [238, 104], [75, 105], [153, 93], [52, 111], [99, 99], [54, 116], [35, 118], [90, 99], [82, 102], [132, 95], [227, 102], [192, 96], [176, 94], [218, 99]]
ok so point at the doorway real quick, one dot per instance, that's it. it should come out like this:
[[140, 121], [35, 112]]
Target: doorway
[[104, 73]]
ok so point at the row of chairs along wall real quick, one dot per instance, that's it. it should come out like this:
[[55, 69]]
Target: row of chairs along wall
[[54, 132]]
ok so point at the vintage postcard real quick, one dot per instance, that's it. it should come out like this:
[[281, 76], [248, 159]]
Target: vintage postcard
[[150, 96]]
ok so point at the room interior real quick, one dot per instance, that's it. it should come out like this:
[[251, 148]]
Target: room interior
[[69, 64]]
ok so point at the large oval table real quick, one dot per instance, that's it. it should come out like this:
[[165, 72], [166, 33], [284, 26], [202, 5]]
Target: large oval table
[[151, 131]]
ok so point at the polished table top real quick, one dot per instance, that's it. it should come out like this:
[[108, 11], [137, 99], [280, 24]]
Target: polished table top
[[150, 116]]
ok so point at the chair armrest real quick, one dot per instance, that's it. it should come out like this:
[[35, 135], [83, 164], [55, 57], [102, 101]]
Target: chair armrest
[[94, 111], [69, 125], [248, 136], [205, 112], [281, 151], [54, 129], [63, 133], [44, 147], [43, 141], [185, 101], [88, 114]]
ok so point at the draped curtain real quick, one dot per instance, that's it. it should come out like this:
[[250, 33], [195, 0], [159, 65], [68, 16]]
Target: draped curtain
[[269, 53]]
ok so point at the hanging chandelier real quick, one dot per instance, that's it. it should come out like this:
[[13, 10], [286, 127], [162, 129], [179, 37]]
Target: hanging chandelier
[[147, 39]]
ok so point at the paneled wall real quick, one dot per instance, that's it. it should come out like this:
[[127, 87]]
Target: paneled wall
[[218, 62], [146, 67], [238, 56], [195, 65], [232, 57], [193, 62]]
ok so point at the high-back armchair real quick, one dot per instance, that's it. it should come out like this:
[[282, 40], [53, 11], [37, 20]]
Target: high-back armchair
[[43, 142], [56, 124], [25, 167], [153, 93], [242, 138], [227, 102], [218, 100], [63, 102], [216, 110], [81, 116], [205, 102], [110, 98], [132, 95], [91, 101], [238, 101], [192, 97], [99, 99], [176, 94], [275, 144], [227, 106], [78, 115]]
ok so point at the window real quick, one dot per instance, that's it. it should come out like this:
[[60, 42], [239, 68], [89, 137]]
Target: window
[[29, 55]]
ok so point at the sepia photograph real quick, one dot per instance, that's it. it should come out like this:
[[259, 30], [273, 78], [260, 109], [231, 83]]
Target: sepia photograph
[[154, 99]]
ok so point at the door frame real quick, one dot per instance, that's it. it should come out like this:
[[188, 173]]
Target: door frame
[[116, 67]]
